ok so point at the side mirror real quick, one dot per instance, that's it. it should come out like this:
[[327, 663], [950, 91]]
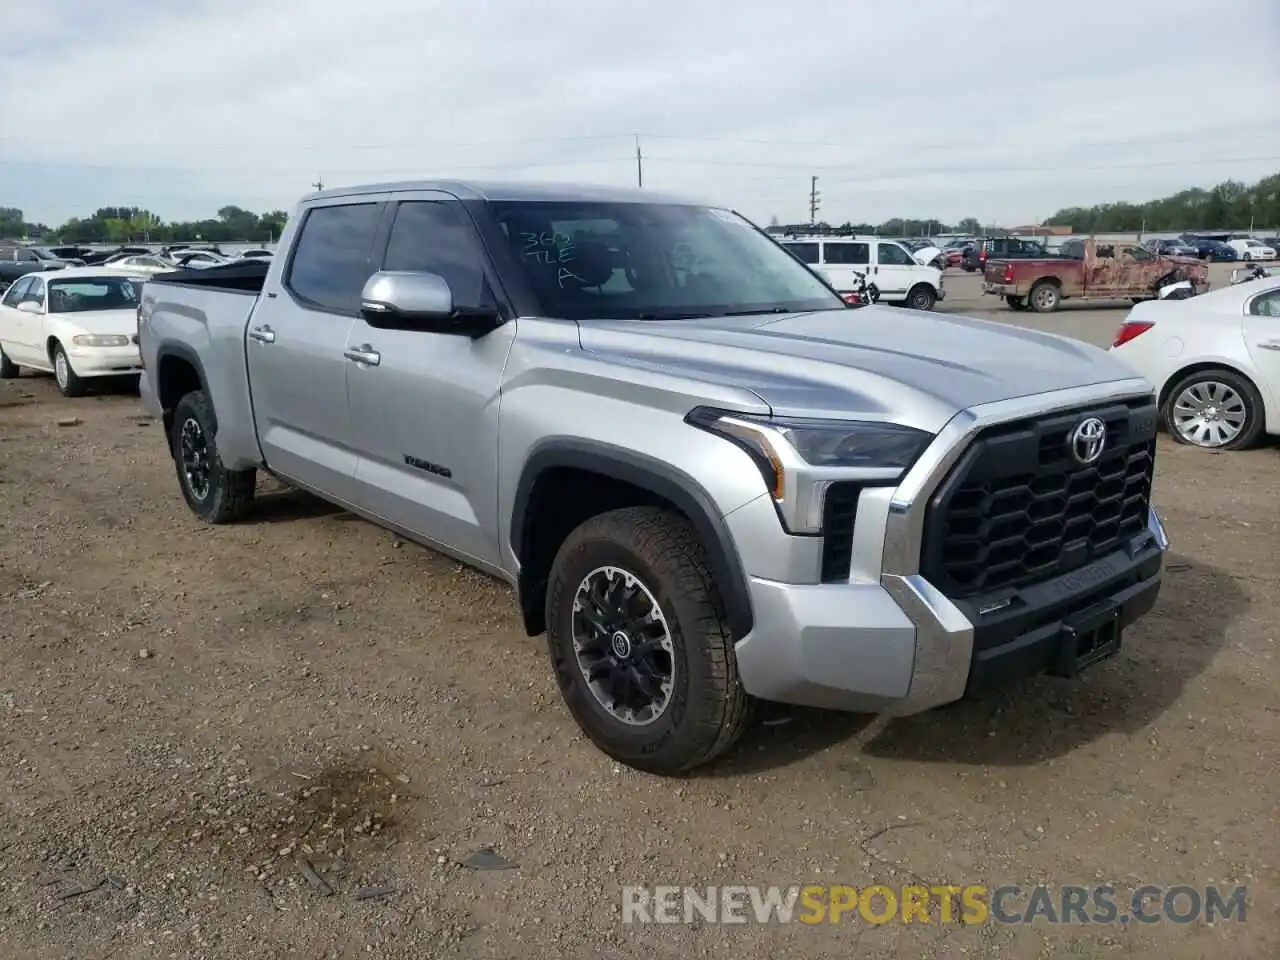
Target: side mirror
[[414, 300], [29, 306]]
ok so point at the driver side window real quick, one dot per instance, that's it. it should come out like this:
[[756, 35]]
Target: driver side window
[[891, 254], [35, 293], [14, 295]]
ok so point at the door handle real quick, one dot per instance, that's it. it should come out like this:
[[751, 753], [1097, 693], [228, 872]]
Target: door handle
[[363, 354], [1270, 344], [263, 334]]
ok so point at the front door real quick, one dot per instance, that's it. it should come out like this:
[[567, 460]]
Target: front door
[[296, 338], [424, 406], [16, 336], [893, 272]]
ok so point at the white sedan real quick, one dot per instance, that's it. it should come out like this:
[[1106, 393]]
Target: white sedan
[[77, 323], [1214, 360], [1250, 249], [142, 263]]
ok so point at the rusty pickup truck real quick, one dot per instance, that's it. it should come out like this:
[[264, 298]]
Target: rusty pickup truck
[[1088, 270]]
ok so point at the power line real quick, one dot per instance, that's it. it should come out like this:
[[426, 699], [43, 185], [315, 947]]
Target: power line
[[1197, 136], [898, 173]]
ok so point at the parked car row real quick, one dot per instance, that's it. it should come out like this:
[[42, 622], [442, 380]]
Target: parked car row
[[17, 260]]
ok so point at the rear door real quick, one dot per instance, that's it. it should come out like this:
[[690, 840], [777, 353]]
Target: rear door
[[1262, 339], [842, 259], [425, 411], [296, 337]]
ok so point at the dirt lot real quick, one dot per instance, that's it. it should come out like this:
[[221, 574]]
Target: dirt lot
[[202, 730]]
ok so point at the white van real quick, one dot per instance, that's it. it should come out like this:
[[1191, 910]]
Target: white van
[[887, 264]]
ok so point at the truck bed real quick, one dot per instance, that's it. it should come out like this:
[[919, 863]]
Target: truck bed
[[196, 321]]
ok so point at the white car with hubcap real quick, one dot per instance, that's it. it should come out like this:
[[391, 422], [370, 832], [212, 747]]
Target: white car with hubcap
[[78, 323], [1214, 360]]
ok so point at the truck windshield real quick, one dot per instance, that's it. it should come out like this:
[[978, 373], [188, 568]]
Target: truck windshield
[[94, 293], [652, 261]]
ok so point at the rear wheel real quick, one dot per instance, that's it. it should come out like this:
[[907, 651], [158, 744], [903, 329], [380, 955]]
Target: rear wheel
[[1015, 303], [921, 297], [1045, 297], [214, 493], [69, 385], [8, 369], [639, 642], [1214, 409]]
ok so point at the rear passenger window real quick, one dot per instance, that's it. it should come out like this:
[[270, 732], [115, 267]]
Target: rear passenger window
[[331, 259], [856, 254], [805, 252], [436, 236]]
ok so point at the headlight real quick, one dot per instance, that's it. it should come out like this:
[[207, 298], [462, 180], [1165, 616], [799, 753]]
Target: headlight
[[797, 458], [100, 340]]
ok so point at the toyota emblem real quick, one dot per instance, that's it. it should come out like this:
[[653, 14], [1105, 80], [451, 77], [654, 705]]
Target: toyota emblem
[[1088, 440]]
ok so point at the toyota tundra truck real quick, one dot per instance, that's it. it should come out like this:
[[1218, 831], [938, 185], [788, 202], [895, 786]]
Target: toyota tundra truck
[[708, 480], [1088, 270]]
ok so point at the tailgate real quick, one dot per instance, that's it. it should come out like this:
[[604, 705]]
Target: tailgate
[[995, 272]]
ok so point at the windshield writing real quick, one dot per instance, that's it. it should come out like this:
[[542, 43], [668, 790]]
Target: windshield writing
[[653, 261]]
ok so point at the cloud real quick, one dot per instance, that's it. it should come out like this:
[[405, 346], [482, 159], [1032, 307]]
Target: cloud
[[1001, 110]]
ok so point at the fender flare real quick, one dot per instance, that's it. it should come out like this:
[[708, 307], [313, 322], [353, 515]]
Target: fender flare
[[657, 477], [181, 351]]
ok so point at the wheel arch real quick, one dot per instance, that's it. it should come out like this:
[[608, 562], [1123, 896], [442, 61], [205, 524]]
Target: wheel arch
[[178, 372], [565, 481]]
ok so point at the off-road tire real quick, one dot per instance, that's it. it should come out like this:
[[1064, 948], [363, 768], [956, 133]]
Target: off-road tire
[[1045, 297], [74, 386], [921, 297], [1015, 302], [709, 709], [8, 369], [230, 493], [1254, 410]]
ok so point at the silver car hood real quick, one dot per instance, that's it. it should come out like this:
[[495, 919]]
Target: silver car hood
[[907, 366]]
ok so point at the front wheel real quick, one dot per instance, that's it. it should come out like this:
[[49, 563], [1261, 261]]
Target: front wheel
[[1247, 257], [214, 493], [69, 385], [921, 297], [8, 369], [1214, 409], [639, 642]]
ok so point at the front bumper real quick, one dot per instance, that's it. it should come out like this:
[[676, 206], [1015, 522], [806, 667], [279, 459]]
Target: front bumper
[[105, 361], [898, 645]]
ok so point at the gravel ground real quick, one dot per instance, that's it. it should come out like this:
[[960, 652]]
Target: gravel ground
[[288, 737]]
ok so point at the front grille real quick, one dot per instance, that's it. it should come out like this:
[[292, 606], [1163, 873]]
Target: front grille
[[1018, 509], [839, 509]]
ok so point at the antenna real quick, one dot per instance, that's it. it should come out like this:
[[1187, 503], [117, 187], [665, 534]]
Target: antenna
[[639, 164]]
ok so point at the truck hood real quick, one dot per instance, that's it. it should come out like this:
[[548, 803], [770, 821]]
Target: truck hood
[[906, 366]]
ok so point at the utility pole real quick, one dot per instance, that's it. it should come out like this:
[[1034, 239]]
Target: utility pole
[[319, 184], [639, 164], [813, 201]]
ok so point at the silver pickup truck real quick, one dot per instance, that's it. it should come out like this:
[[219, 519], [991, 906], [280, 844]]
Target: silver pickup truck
[[708, 480]]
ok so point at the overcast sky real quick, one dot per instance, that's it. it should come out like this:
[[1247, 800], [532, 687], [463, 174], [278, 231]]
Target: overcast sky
[[998, 109]]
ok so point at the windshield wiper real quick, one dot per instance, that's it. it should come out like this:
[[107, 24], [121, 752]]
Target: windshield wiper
[[672, 316], [753, 313]]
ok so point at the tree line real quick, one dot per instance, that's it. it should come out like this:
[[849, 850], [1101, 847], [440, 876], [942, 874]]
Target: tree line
[[136, 225], [1231, 205]]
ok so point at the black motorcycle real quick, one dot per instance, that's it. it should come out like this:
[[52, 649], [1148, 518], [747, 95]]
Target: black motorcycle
[[863, 293]]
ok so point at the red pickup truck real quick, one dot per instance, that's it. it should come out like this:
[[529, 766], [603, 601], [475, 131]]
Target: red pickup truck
[[1087, 270]]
